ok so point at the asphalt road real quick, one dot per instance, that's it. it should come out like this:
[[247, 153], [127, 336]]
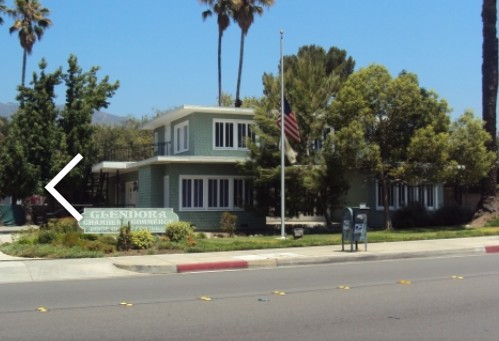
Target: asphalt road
[[415, 299]]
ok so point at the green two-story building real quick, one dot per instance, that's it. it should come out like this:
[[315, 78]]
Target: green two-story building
[[192, 168]]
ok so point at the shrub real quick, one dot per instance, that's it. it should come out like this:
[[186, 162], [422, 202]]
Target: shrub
[[142, 239], [108, 240], [29, 237], [47, 237], [125, 238], [179, 231], [452, 215], [88, 236], [228, 223], [97, 245], [411, 216], [72, 239], [62, 225]]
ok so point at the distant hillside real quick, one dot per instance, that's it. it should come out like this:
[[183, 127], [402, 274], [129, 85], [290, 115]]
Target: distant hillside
[[99, 117]]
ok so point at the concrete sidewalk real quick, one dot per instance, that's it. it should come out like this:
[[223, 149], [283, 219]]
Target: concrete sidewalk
[[15, 269]]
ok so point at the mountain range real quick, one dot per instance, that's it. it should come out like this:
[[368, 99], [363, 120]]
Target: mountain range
[[99, 117]]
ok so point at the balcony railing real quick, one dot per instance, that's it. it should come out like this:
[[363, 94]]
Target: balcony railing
[[135, 153]]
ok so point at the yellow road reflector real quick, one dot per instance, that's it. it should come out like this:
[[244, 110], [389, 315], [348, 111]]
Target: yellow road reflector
[[42, 309], [123, 303], [457, 277], [280, 293], [129, 304], [405, 282], [205, 298], [344, 287], [126, 304]]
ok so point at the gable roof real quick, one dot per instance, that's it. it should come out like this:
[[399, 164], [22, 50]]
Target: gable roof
[[185, 110]]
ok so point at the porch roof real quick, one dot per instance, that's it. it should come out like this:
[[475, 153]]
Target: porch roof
[[126, 167]]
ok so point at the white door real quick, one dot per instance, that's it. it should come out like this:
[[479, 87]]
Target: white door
[[131, 189]]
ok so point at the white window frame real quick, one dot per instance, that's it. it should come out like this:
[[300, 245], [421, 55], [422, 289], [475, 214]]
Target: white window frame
[[234, 141], [181, 137], [429, 194], [212, 201]]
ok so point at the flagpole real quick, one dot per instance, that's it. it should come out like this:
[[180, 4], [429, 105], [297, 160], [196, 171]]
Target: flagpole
[[283, 122]]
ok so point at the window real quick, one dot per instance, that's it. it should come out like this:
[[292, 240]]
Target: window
[[400, 195], [231, 134], [218, 193], [192, 193], [243, 193], [181, 137], [210, 193]]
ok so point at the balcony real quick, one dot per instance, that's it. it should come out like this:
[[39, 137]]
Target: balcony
[[134, 153]]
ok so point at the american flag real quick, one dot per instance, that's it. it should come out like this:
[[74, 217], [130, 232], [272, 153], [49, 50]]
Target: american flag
[[290, 125]]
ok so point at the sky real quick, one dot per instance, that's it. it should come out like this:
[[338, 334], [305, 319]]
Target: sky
[[165, 56]]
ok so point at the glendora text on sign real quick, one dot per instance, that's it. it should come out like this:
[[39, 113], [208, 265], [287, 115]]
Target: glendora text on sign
[[109, 220]]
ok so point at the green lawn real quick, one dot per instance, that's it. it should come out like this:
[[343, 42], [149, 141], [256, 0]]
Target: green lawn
[[77, 245]]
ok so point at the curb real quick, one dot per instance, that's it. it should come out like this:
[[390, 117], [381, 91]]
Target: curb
[[299, 261], [492, 249], [210, 266]]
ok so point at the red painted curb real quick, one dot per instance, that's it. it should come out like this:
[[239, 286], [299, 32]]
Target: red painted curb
[[492, 249], [237, 264]]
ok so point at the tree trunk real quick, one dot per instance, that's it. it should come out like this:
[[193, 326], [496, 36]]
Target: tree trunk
[[489, 87], [238, 102], [386, 203], [23, 75], [220, 68]]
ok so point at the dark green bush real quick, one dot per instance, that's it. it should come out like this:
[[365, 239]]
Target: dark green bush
[[179, 231], [452, 215], [411, 216], [47, 236]]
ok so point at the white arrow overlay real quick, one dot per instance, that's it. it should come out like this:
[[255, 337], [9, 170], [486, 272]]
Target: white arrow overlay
[[50, 187]]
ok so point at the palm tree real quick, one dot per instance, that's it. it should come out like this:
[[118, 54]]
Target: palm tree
[[30, 21], [489, 85], [223, 10], [3, 9], [244, 15]]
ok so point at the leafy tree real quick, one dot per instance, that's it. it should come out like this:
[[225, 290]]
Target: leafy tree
[[126, 141], [244, 15], [376, 116], [468, 142], [36, 122], [84, 95], [489, 90], [30, 22], [4, 125], [247, 102], [26, 155], [224, 11], [18, 177], [458, 157], [317, 181], [41, 144]]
